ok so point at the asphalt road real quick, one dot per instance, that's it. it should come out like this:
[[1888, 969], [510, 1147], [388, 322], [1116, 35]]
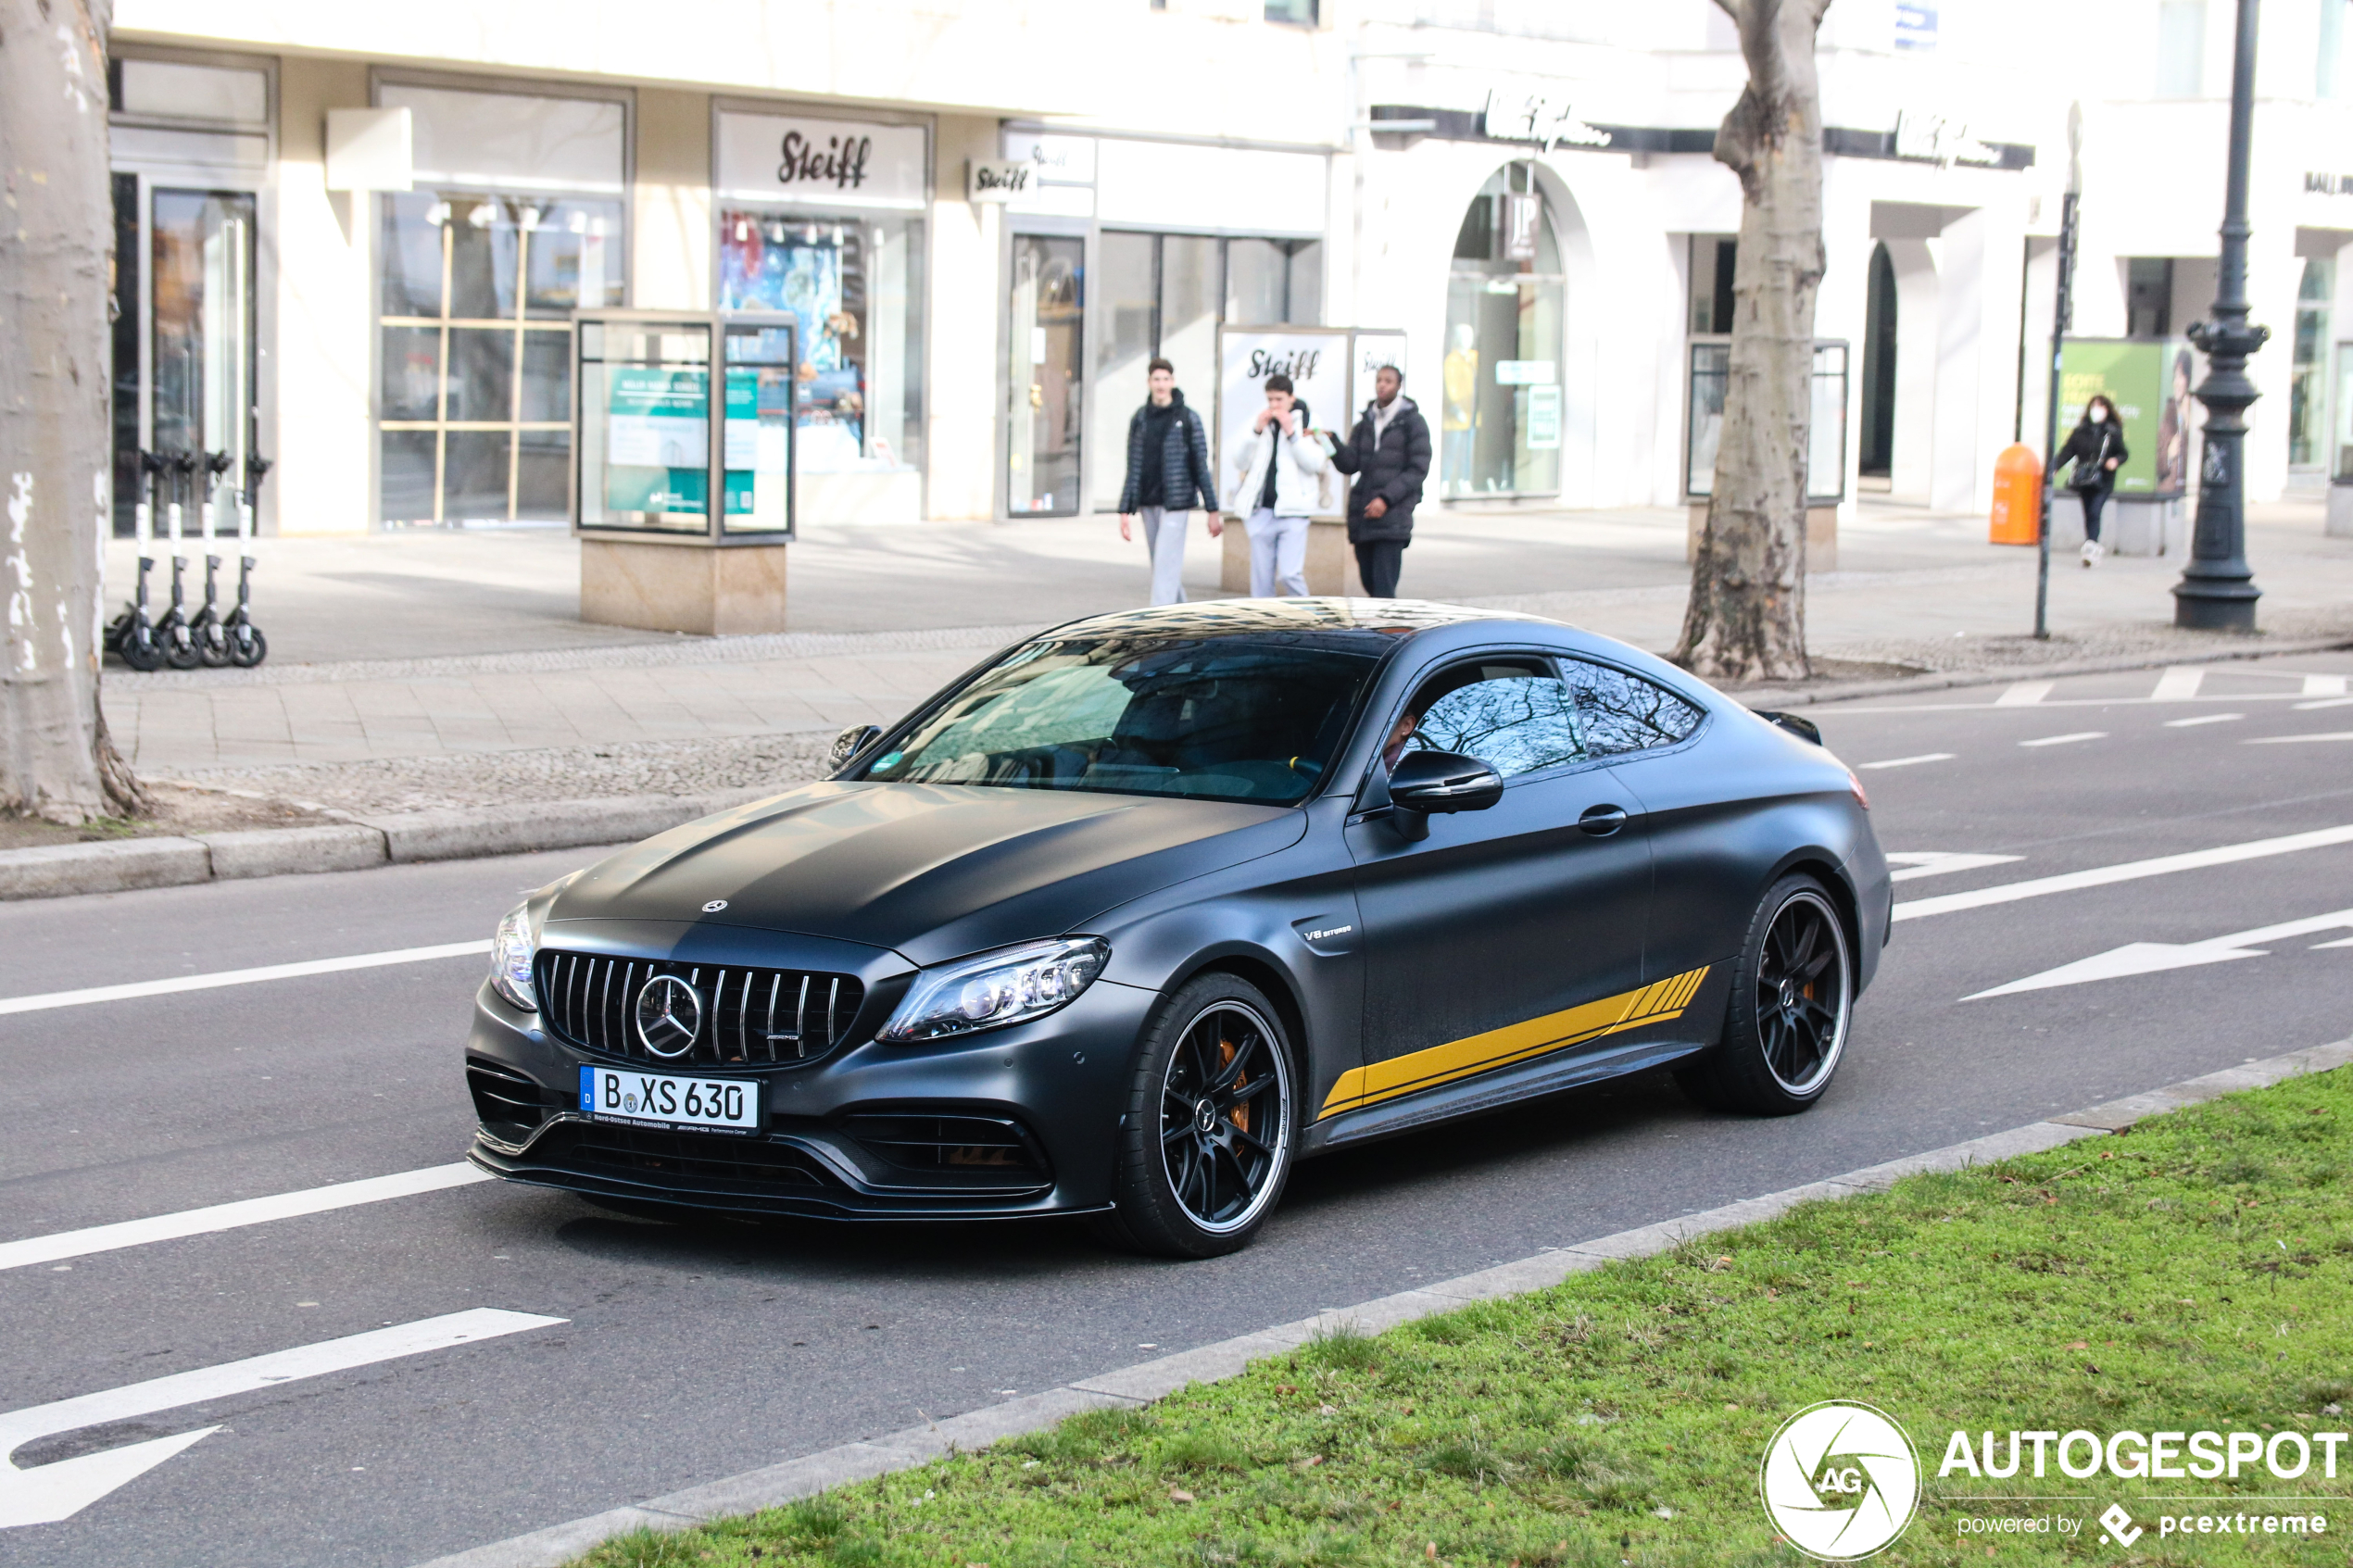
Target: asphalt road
[[689, 1352]]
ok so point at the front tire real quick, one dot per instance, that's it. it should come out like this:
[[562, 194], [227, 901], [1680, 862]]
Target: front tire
[[1792, 1003], [1206, 1143]]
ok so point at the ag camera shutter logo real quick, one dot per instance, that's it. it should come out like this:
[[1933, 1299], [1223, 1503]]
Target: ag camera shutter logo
[[1839, 1481]]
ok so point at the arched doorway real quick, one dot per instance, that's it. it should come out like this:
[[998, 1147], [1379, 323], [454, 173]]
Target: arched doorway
[[1502, 418], [1879, 369]]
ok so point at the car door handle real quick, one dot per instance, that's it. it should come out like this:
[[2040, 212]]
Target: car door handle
[[1602, 820]]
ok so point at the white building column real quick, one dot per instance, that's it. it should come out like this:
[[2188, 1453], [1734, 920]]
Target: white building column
[[325, 446]]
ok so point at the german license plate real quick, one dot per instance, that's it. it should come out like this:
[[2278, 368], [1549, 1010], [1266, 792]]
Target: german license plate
[[660, 1099]]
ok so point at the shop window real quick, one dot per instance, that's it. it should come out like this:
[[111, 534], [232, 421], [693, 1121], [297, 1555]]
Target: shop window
[[2328, 73], [1302, 12], [1711, 292], [518, 219], [853, 287], [473, 384], [2308, 388], [2148, 296], [1501, 424], [1166, 295], [2181, 48]]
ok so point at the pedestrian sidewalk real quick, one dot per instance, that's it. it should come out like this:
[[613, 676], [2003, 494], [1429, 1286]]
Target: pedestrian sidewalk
[[418, 671]]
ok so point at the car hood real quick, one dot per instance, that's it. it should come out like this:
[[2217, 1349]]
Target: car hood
[[933, 871]]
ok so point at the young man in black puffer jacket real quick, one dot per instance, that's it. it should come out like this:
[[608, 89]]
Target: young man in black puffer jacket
[[1167, 470], [1389, 452]]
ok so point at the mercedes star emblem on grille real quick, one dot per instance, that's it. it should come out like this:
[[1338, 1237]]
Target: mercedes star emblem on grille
[[669, 1015]]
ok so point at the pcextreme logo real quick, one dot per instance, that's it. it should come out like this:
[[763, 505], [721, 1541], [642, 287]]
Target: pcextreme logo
[[1840, 1480]]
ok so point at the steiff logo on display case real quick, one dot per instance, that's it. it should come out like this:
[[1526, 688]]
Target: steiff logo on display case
[[1298, 363]]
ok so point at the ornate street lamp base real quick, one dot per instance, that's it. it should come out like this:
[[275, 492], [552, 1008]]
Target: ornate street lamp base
[[2215, 606]]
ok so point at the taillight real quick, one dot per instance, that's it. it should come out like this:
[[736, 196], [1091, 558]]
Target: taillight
[[1854, 783]]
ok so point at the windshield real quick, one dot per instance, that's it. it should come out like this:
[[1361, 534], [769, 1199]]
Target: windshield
[[1218, 717]]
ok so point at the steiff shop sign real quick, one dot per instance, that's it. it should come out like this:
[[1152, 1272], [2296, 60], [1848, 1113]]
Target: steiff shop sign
[[994, 180], [807, 161]]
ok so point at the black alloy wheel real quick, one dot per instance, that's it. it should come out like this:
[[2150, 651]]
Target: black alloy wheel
[[1205, 1146], [1793, 1001]]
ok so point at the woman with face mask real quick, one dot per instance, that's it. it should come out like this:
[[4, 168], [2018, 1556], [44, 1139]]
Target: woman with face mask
[[2096, 448]]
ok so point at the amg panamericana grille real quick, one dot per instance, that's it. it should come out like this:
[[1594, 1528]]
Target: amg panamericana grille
[[748, 1015]]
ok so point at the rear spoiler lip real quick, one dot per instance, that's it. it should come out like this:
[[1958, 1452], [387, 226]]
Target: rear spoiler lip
[[1803, 728]]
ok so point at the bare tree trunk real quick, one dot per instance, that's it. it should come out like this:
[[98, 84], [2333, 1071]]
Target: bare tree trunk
[[56, 245], [1746, 617]]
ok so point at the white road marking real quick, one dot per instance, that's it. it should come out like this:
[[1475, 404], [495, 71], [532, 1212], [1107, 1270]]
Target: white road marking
[[239, 976], [2326, 702], [2346, 941], [51, 1492], [2291, 740], [2202, 719], [2178, 683], [1919, 863], [2068, 739], [2129, 871], [2025, 694], [2155, 957], [1908, 761], [2324, 685], [231, 1216]]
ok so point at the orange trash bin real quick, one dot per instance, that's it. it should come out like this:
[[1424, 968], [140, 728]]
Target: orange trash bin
[[2018, 496]]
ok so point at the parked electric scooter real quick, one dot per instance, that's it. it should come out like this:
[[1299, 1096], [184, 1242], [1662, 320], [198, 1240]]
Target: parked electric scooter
[[133, 635], [247, 646], [206, 628], [173, 634]]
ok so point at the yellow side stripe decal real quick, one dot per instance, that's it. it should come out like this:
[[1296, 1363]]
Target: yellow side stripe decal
[[1370, 1084]]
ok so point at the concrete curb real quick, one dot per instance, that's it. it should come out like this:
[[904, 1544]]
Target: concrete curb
[[1946, 680], [774, 1485], [122, 865]]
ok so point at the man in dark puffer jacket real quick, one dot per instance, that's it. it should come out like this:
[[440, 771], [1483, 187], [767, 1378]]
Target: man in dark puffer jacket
[[1389, 452], [1167, 470]]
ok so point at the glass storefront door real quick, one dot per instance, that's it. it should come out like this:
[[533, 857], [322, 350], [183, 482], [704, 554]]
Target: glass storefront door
[[197, 311], [1045, 375], [1501, 378]]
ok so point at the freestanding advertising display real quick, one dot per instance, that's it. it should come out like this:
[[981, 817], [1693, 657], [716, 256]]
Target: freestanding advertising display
[[2149, 382], [1331, 372], [683, 493]]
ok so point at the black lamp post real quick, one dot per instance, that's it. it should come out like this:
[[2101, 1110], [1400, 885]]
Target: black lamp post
[[2217, 592]]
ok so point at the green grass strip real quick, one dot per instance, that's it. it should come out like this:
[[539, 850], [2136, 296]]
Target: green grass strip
[[2193, 1273]]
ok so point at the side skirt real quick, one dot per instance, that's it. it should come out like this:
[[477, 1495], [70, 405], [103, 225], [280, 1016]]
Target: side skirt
[[1487, 1092]]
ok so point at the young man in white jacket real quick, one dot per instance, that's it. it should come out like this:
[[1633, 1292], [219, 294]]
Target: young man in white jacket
[[1278, 477]]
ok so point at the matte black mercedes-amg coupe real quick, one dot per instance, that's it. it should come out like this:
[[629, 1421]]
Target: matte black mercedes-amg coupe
[[1143, 909]]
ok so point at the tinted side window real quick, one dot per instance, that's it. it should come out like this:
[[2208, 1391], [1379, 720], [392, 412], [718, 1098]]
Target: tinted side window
[[1513, 719], [1621, 713]]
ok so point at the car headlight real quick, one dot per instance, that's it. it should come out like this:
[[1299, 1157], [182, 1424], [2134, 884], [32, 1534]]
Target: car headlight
[[1009, 986], [510, 954]]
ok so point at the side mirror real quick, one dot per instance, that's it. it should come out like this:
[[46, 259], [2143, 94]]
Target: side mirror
[[1425, 782], [850, 743]]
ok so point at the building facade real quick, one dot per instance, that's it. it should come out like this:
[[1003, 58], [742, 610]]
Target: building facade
[[1524, 190]]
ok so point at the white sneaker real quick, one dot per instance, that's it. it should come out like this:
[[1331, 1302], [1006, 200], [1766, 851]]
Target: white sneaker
[[2092, 552]]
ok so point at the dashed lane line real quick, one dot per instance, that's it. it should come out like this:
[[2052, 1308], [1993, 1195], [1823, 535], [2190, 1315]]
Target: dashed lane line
[[2291, 740], [62, 1245], [1909, 761], [2068, 739], [2192, 723], [178, 982]]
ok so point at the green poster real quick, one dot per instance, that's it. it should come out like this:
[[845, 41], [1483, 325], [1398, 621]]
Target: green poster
[[2148, 379], [658, 440]]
